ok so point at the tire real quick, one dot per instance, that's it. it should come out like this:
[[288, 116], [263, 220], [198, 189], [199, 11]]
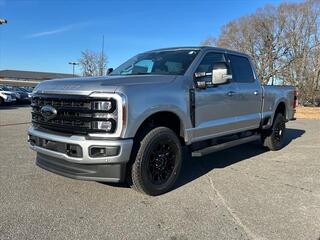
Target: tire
[[157, 164], [274, 138], [1, 101]]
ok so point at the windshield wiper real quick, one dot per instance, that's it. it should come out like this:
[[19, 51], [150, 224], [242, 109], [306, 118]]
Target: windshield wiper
[[129, 74], [139, 73]]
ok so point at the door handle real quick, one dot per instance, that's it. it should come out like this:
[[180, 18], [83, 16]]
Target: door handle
[[231, 93], [256, 92]]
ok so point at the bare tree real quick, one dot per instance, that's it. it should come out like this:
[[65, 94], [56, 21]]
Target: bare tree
[[92, 63], [210, 41], [284, 43]]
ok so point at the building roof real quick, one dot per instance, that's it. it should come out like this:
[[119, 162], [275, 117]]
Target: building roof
[[17, 74]]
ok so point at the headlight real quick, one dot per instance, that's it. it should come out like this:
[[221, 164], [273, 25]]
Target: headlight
[[109, 113], [104, 115], [106, 111], [108, 125], [108, 106]]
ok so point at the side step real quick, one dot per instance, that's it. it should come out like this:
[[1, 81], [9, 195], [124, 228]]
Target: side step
[[222, 146]]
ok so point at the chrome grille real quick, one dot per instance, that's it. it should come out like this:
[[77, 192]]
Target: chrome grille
[[75, 114]]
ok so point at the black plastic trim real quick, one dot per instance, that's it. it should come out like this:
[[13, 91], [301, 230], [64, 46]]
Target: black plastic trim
[[92, 172]]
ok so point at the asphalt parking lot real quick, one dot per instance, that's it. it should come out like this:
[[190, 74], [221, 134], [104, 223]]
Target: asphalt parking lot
[[240, 193]]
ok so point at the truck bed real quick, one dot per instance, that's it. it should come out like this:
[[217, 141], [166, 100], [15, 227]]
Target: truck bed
[[271, 99]]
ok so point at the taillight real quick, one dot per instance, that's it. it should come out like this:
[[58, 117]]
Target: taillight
[[295, 99]]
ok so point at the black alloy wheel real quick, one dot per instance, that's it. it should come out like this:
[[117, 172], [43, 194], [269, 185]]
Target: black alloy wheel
[[157, 163], [273, 138]]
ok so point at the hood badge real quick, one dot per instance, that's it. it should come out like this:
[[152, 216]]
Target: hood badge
[[48, 112], [70, 87]]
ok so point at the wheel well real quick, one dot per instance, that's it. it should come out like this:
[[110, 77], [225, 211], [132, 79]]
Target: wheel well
[[165, 119], [281, 108]]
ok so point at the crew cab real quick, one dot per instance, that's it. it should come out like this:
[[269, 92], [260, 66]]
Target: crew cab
[[138, 123]]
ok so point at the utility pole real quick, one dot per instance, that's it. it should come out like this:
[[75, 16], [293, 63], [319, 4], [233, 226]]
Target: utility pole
[[2, 21], [73, 65]]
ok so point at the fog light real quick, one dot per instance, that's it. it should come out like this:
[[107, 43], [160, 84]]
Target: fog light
[[109, 151], [73, 150]]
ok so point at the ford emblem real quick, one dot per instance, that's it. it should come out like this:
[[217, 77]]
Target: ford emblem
[[48, 112]]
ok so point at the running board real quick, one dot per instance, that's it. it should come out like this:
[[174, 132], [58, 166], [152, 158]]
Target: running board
[[222, 146]]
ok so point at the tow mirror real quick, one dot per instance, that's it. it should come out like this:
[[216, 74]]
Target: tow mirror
[[220, 74], [109, 70]]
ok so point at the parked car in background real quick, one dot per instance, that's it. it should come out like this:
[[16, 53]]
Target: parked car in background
[[22, 95], [28, 89], [6, 96]]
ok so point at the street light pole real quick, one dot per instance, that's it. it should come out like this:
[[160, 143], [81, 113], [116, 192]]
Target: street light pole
[[3, 21], [73, 65]]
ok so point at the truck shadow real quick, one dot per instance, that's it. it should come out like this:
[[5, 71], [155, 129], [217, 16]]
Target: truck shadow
[[194, 168]]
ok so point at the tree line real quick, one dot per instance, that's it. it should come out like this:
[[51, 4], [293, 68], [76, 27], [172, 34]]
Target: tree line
[[284, 43]]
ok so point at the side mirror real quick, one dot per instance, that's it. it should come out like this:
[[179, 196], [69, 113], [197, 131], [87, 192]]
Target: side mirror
[[109, 70], [200, 83], [220, 74]]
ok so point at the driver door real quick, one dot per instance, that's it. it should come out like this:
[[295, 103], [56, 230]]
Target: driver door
[[214, 113]]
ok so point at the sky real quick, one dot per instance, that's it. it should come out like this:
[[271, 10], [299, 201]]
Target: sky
[[46, 35]]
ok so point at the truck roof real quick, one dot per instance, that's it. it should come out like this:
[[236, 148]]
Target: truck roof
[[200, 48]]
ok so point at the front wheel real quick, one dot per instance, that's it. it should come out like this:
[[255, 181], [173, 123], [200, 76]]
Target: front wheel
[[274, 138], [157, 163]]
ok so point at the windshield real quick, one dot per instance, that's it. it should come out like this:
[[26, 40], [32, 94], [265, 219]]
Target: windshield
[[170, 62]]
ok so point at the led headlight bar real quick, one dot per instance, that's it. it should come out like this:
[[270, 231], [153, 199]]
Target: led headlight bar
[[103, 105], [109, 113]]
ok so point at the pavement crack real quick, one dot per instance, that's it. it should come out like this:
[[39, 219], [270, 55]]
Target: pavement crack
[[296, 187], [234, 216]]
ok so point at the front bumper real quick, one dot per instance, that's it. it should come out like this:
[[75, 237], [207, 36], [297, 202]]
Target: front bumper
[[84, 166]]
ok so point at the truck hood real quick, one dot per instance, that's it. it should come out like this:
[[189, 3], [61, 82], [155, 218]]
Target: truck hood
[[87, 85]]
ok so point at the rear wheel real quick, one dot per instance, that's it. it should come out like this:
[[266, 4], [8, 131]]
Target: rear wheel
[[157, 163], [274, 137], [1, 101]]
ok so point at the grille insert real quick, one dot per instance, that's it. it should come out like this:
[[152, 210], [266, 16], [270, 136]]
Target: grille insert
[[75, 114]]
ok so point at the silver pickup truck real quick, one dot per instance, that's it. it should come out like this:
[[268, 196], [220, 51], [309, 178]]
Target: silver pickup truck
[[139, 122]]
